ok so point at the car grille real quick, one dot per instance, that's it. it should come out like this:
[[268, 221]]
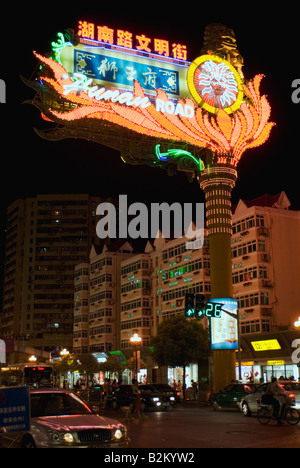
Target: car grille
[[94, 435]]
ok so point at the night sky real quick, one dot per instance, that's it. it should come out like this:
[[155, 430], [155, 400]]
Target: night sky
[[267, 39]]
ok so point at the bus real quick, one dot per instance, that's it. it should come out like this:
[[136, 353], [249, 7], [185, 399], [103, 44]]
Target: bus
[[28, 374]]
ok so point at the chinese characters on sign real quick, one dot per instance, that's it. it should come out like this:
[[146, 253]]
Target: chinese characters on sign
[[127, 39], [123, 72], [14, 409]]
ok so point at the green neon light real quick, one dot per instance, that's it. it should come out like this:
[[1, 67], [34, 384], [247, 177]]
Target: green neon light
[[58, 46], [178, 154]]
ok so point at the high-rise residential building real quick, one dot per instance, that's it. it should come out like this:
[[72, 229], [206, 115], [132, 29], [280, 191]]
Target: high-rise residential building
[[97, 300], [266, 263], [47, 236], [136, 298]]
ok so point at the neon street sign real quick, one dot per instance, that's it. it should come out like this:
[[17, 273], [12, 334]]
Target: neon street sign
[[126, 39], [81, 83]]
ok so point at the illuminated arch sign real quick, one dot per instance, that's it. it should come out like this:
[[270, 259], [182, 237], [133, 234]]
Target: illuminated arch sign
[[203, 104]]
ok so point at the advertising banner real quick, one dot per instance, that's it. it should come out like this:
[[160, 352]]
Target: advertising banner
[[224, 330]]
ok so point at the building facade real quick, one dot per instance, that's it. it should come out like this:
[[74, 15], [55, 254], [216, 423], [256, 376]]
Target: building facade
[[47, 236], [144, 288], [266, 264], [97, 300]]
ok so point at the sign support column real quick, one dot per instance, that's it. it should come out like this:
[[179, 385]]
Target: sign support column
[[217, 183]]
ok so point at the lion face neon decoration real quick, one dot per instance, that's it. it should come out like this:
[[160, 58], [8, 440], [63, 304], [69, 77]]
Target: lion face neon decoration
[[215, 84]]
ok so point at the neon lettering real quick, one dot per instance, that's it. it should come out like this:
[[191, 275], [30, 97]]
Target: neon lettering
[[170, 107], [81, 83]]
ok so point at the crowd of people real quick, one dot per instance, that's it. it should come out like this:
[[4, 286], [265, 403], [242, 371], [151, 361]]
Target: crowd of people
[[191, 393]]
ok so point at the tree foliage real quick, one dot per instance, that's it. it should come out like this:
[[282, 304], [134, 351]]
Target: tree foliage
[[180, 342]]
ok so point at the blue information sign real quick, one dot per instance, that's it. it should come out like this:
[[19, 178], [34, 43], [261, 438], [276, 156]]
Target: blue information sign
[[120, 71], [14, 409]]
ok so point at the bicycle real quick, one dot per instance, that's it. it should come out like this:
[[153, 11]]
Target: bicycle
[[287, 413]]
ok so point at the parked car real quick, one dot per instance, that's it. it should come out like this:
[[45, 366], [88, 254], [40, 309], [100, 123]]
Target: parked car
[[249, 403], [60, 419], [150, 397], [156, 397], [168, 390], [231, 396]]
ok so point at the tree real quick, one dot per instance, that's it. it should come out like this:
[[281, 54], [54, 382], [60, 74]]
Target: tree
[[180, 342]]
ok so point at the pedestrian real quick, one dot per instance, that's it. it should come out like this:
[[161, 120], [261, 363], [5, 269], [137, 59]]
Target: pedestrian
[[135, 406], [106, 390]]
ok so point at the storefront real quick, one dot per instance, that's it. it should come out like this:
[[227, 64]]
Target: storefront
[[268, 355], [176, 374]]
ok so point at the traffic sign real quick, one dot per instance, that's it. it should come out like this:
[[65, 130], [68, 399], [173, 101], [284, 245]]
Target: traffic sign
[[196, 307]]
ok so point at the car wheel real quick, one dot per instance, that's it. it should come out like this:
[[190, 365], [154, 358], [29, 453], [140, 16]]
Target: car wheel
[[245, 409], [28, 442]]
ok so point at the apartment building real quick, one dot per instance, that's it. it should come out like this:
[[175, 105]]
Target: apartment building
[[266, 263], [136, 298], [47, 236], [177, 271], [97, 300], [136, 291], [120, 292]]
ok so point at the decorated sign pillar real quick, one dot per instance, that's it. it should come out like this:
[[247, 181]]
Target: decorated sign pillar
[[158, 109], [217, 184]]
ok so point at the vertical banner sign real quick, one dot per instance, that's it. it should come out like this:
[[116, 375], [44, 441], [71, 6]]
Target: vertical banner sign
[[224, 330]]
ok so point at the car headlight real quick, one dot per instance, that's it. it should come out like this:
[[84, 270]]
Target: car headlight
[[155, 399], [58, 437], [68, 437], [119, 432]]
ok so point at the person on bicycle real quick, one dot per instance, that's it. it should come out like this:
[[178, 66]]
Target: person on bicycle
[[273, 391]]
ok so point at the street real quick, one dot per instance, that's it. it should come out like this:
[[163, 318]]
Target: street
[[191, 425]]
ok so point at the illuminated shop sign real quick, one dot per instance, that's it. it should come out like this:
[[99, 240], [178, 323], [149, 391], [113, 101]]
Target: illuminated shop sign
[[126, 39], [224, 328], [265, 345]]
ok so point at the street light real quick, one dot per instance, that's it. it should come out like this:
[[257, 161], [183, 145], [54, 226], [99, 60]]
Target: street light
[[136, 340]]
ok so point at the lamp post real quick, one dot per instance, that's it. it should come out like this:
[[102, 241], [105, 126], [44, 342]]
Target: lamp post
[[136, 340]]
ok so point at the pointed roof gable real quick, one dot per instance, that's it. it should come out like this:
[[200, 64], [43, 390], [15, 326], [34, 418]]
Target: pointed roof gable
[[279, 201]]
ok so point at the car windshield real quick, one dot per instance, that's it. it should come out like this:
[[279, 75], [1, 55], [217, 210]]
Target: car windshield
[[57, 404], [148, 388]]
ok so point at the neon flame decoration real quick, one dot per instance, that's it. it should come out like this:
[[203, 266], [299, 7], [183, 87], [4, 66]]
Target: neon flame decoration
[[228, 136]]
